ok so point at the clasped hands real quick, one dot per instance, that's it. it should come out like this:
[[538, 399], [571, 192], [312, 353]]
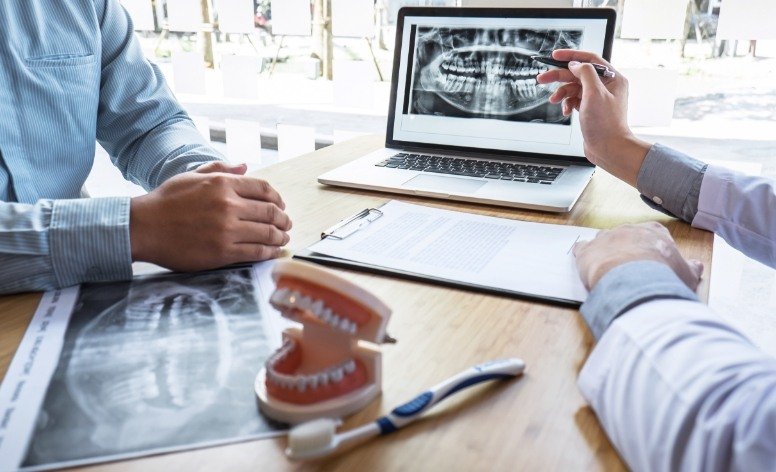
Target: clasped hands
[[208, 218], [602, 104]]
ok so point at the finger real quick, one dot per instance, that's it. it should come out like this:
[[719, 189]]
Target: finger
[[574, 103], [688, 273], [579, 56], [556, 75], [568, 90], [587, 75], [697, 267], [253, 252], [219, 166], [567, 108], [249, 232], [263, 212], [579, 247], [257, 189]]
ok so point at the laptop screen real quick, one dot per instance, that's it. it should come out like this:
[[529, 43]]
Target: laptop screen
[[464, 78]]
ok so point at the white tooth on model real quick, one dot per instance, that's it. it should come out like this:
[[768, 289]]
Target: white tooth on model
[[317, 307], [326, 315], [312, 382], [323, 378], [353, 328], [336, 375], [350, 366], [301, 383], [292, 298], [334, 320], [344, 324]]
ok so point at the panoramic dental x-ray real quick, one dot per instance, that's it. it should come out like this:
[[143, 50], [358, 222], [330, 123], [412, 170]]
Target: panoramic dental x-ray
[[486, 73]]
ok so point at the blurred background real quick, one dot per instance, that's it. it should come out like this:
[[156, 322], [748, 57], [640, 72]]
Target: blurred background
[[269, 80]]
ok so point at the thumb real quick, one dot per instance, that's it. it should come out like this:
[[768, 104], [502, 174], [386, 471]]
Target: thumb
[[219, 166], [697, 267], [587, 76]]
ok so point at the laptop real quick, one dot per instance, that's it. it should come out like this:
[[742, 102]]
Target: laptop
[[467, 120]]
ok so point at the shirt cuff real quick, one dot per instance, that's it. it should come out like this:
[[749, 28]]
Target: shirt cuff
[[89, 240], [670, 182], [627, 286]]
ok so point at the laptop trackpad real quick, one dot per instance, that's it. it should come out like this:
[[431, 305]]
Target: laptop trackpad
[[436, 183]]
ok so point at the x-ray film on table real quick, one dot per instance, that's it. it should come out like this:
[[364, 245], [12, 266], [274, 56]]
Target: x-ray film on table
[[154, 365], [486, 73]]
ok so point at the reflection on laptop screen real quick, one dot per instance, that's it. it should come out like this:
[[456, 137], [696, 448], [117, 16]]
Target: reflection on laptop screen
[[470, 82]]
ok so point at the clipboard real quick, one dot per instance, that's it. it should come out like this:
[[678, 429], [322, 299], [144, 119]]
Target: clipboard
[[363, 219]]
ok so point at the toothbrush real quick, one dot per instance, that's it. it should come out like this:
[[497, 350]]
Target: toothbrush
[[318, 438]]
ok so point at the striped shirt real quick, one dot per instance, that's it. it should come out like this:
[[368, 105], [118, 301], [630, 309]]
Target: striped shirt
[[72, 72]]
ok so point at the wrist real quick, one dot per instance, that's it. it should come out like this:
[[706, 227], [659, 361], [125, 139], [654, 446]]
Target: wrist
[[629, 153]]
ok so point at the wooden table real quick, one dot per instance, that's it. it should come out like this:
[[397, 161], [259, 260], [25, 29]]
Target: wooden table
[[537, 422]]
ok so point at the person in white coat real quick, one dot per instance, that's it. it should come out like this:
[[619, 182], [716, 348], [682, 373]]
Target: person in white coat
[[674, 385]]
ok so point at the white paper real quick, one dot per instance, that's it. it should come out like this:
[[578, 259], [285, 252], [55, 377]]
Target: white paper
[[291, 17], [188, 72], [295, 140], [243, 141], [651, 96], [353, 18], [354, 84], [141, 12], [184, 15], [653, 19], [512, 255], [747, 19], [235, 16], [240, 76]]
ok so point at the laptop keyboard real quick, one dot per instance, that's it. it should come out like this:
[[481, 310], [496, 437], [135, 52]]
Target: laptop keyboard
[[473, 168]]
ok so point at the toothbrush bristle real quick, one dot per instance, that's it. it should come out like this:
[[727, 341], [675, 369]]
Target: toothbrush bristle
[[311, 436]]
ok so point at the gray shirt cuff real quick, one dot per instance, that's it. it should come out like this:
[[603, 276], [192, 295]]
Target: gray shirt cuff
[[627, 286], [670, 182]]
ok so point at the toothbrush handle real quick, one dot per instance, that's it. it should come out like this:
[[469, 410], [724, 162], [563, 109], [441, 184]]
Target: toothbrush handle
[[408, 412]]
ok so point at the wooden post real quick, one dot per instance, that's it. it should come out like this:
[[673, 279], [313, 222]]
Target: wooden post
[[207, 35], [322, 37]]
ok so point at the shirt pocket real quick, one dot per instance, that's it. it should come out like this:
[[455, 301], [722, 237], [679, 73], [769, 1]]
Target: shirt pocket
[[60, 60], [59, 95]]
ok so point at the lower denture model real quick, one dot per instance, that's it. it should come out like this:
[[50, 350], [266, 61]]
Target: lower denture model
[[331, 365]]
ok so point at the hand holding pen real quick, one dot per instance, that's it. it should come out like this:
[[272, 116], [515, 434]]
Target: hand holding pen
[[602, 103], [600, 69]]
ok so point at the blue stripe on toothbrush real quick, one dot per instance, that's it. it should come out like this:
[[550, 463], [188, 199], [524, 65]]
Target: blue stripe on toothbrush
[[386, 427]]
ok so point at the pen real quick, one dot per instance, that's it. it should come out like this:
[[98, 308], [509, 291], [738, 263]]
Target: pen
[[600, 69]]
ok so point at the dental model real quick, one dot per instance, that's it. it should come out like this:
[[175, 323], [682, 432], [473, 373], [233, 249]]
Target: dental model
[[324, 368]]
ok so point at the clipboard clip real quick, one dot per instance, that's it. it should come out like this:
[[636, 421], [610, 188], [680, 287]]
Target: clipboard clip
[[350, 225]]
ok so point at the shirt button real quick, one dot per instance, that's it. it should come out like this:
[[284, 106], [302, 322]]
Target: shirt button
[[657, 200]]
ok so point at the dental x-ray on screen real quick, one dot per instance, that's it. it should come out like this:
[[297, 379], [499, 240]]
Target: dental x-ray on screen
[[486, 73]]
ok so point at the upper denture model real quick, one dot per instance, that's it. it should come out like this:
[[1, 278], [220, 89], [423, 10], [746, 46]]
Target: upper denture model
[[331, 365]]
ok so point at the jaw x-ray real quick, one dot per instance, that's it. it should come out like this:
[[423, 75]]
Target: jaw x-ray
[[161, 363], [486, 73]]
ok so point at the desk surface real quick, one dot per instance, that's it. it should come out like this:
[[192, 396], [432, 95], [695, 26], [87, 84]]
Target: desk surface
[[538, 422]]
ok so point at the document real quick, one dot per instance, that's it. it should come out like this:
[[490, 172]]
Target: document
[[491, 253]]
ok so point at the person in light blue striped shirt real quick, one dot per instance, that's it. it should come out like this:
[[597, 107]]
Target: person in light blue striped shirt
[[72, 72]]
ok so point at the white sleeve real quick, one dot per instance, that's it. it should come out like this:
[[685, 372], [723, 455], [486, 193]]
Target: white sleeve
[[676, 388], [742, 210]]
